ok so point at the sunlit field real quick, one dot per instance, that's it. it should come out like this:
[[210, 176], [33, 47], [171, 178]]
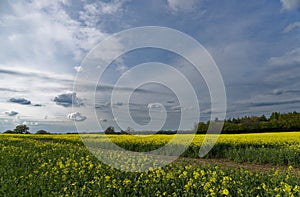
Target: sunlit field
[[60, 165]]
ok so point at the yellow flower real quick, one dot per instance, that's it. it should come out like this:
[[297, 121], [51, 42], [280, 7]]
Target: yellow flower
[[196, 175], [225, 192], [107, 178], [126, 181]]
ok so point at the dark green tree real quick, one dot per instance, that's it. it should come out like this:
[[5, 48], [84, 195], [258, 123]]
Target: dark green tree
[[21, 129], [110, 130], [42, 132], [201, 128], [263, 118]]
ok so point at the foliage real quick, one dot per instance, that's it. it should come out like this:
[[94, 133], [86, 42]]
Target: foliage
[[8, 132], [32, 167], [254, 124], [110, 130], [21, 129], [42, 132]]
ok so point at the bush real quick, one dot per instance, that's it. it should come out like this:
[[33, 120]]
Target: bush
[[8, 132], [42, 132]]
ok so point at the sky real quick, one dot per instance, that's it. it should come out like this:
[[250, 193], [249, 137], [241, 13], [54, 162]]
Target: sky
[[255, 44]]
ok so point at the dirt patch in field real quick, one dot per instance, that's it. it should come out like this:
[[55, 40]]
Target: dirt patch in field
[[265, 168]]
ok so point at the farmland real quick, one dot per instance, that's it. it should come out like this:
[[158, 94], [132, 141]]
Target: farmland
[[60, 165]]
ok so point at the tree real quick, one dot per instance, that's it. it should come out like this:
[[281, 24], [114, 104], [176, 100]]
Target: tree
[[129, 130], [42, 132], [110, 130], [21, 129], [250, 123], [263, 118], [201, 128]]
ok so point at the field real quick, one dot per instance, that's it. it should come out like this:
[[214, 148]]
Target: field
[[60, 165]]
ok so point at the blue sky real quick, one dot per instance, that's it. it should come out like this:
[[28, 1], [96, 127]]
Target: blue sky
[[256, 45]]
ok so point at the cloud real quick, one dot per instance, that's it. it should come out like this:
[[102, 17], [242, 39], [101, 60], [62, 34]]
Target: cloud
[[122, 68], [277, 92], [109, 87], [78, 68], [272, 103], [26, 72], [76, 116], [55, 37], [284, 91], [290, 4], [68, 99], [93, 12], [21, 101], [179, 5], [10, 113], [154, 106], [291, 26], [8, 90], [291, 57]]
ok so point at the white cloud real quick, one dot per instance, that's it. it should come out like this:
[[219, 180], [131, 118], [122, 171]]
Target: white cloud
[[178, 5], [122, 68], [10, 113], [291, 26], [290, 4], [49, 31], [76, 116], [78, 68], [92, 14], [154, 106], [14, 37], [291, 57]]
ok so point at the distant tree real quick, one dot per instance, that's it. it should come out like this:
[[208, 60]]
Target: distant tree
[[129, 130], [274, 116], [123, 132], [201, 128], [250, 123], [110, 130], [21, 129], [8, 132], [263, 118], [42, 132]]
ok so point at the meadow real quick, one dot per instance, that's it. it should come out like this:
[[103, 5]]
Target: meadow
[[60, 165]]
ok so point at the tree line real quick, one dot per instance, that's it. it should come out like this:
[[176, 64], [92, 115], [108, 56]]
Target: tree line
[[24, 129], [256, 124], [248, 124]]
